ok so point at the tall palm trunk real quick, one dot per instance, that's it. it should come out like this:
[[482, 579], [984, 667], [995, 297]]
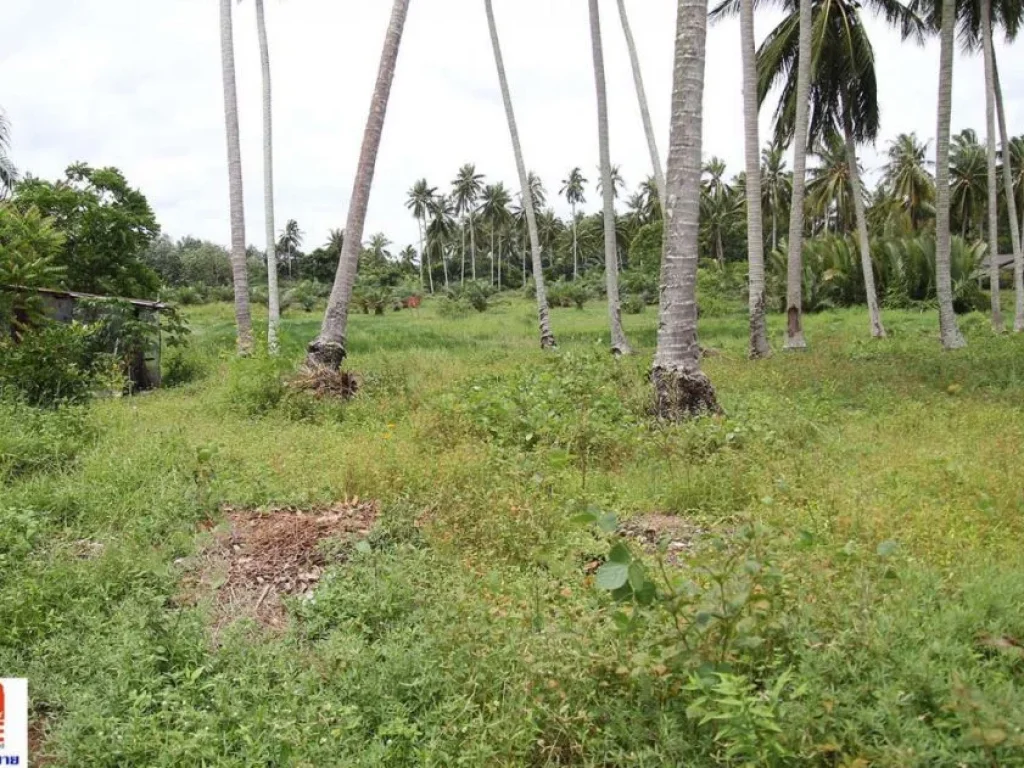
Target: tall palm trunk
[[620, 345], [759, 347], [645, 112], [462, 278], [425, 254], [239, 272], [990, 157], [857, 192], [273, 301], [444, 265], [575, 260], [547, 338], [680, 387], [794, 271], [472, 244], [948, 328], [1016, 230], [328, 349]]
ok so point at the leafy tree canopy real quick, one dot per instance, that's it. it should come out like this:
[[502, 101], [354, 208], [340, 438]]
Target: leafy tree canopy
[[107, 226]]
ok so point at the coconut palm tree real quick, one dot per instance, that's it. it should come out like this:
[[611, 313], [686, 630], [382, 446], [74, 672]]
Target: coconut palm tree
[[992, 202], [948, 328], [290, 241], [618, 183], [776, 186], [8, 173], [641, 95], [547, 338], [240, 276], [418, 201], [968, 183], [328, 349], [1014, 193], [719, 207], [273, 296], [907, 178], [794, 270], [440, 231], [573, 190], [756, 302], [844, 100], [829, 194], [494, 203], [466, 189], [680, 387], [609, 185]]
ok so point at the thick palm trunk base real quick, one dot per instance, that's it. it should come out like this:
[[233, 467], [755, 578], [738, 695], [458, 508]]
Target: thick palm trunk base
[[681, 394], [794, 330], [325, 354], [759, 346]]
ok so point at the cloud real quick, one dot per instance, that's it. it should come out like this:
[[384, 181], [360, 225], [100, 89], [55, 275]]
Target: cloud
[[138, 85]]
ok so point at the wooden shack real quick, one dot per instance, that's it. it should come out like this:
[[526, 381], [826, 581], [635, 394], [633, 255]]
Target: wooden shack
[[64, 307]]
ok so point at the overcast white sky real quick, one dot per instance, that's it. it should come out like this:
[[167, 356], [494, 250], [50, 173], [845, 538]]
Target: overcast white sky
[[137, 84]]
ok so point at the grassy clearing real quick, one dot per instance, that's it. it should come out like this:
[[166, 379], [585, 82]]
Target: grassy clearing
[[880, 615]]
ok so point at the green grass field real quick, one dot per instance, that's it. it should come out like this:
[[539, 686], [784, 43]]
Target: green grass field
[[858, 600]]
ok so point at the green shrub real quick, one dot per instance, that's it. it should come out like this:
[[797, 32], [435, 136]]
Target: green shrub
[[255, 385], [633, 305], [183, 365], [452, 309], [50, 365]]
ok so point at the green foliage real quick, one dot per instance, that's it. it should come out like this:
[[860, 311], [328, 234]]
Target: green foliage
[[107, 227], [575, 402], [645, 250], [52, 364], [904, 273], [304, 295], [29, 244], [36, 440], [569, 293]]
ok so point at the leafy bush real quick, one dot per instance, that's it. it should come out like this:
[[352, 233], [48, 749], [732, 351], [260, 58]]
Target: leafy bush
[[633, 305], [52, 364], [452, 309], [303, 295], [568, 293], [475, 293], [255, 385], [182, 365]]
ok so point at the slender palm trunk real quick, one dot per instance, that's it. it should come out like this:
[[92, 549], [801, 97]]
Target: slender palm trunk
[[680, 387], [274, 303], [239, 272], [444, 265], [759, 347], [328, 349], [492, 254], [990, 157], [1016, 233], [425, 254], [645, 112], [857, 192], [948, 328], [547, 338], [462, 279], [499, 262], [794, 272], [619, 343], [575, 268], [472, 244]]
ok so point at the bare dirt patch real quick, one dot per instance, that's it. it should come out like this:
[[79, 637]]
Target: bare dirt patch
[[682, 536], [259, 556]]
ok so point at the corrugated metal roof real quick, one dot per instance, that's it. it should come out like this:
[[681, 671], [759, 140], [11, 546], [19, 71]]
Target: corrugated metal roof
[[60, 294]]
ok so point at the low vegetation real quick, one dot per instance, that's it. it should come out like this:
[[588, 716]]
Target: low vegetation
[[850, 591]]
